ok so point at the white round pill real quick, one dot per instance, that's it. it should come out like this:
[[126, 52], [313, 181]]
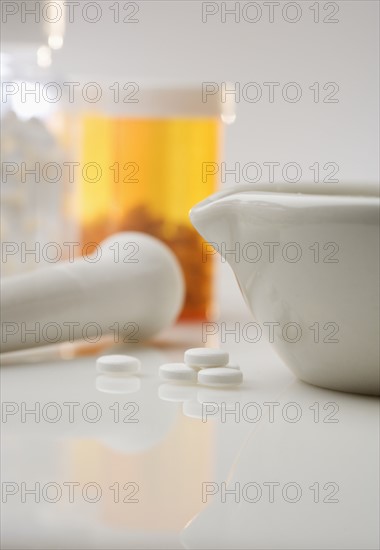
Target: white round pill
[[220, 376], [117, 364], [178, 372], [206, 357]]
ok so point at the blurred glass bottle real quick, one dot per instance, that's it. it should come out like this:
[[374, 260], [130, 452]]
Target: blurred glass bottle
[[144, 166], [35, 140]]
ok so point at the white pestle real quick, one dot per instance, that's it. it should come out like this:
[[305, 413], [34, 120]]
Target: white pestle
[[133, 290]]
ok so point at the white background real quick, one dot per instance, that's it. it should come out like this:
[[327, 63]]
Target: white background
[[171, 42]]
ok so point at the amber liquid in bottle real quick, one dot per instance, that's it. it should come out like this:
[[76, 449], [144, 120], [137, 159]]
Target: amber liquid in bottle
[[144, 174]]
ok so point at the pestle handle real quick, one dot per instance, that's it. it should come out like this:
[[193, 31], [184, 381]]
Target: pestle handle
[[131, 295]]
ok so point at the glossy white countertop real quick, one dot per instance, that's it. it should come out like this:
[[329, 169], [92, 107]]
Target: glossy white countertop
[[279, 482]]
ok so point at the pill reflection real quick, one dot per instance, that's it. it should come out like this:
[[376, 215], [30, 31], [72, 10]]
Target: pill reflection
[[177, 393], [192, 409], [118, 384], [218, 396]]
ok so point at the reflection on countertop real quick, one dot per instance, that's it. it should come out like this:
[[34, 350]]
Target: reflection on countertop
[[131, 462]]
